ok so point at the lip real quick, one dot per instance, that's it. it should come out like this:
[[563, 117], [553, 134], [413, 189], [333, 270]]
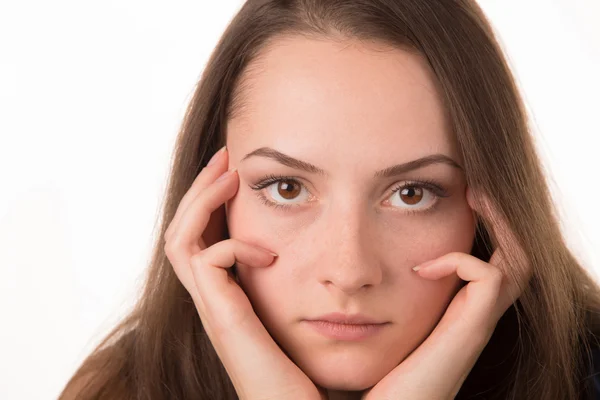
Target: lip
[[346, 327], [349, 332], [354, 319]]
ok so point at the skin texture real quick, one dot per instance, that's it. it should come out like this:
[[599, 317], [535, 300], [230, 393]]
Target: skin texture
[[347, 243]]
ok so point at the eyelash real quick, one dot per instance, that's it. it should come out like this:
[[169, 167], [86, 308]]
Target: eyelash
[[432, 186]]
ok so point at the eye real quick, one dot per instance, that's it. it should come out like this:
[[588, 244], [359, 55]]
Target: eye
[[285, 191], [417, 196]]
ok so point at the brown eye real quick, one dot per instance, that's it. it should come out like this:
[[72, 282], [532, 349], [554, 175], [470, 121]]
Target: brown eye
[[416, 197], [411, 195], [281, 191], [288, 189], [284, 192]]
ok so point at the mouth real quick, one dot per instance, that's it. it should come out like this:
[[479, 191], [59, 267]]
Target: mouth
[[354, 319], [344, 331], [347, 327]]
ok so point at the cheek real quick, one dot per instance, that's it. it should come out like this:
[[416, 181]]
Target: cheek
[[409, 239], [423, 238], [252, 222], [249, 220], [292, 289], [455, 231]]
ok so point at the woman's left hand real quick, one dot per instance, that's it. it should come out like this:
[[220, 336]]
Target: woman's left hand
[[438, 367]]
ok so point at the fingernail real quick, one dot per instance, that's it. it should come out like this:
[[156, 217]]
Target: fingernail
[[423, 265], [216, 156], [226, 174], [268, 251]]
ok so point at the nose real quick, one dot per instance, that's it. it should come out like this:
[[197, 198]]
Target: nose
[[348, 257]]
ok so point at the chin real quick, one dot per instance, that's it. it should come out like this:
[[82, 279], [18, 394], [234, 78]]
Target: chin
[[344, 380], [346, 370]]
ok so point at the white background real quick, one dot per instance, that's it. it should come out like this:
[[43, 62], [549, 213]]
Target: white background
[[91, 97]]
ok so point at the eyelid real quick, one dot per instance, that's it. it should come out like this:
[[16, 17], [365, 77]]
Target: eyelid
[[435, 188], [271, 179]]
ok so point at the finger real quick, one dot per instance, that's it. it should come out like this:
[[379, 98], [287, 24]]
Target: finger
[[467, 267], [485, 280], [253, 360], [439, 365], [216, 228], [186, 240], [451, 350], [194, 220], [221, 297], [508, 244], [508, 241], [207, 176]]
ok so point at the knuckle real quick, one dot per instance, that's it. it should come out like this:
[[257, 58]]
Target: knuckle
[[496, 273], [225, 245], [168, 249], [175, 242], [173, 245], [454, 257], [203, 205], [198, 260]]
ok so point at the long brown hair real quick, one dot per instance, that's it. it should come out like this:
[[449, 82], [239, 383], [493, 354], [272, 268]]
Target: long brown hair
[[541, 346]]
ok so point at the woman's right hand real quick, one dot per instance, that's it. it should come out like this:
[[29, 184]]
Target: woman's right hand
[[257, 367]]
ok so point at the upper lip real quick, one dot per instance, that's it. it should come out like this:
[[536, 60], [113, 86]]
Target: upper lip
[[354, 319]]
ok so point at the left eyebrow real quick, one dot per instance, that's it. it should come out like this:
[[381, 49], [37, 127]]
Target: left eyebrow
[[394, 170]]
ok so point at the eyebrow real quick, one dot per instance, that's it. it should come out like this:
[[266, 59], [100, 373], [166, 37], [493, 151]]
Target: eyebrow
[[394, 170]]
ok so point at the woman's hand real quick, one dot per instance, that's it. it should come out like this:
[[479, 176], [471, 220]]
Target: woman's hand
[[256, 365], [438, 367]]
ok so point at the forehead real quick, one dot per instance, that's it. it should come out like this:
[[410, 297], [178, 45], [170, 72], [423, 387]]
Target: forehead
[[353, 99]]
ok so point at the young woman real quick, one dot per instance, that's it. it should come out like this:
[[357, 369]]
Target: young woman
[[364, 138]]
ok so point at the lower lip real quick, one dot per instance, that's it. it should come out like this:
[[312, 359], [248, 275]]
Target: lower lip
[[346, 331]]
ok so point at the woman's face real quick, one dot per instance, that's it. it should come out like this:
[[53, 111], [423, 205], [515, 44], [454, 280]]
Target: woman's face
[[329, 117]]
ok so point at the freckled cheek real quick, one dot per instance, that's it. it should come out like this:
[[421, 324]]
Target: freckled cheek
[[456, 230], [417, 238], [420, 239], [250, 220]]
